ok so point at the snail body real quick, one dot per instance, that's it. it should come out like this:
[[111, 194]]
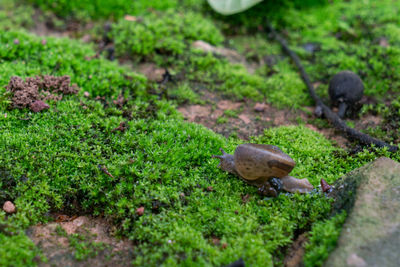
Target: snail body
[[265, 166]]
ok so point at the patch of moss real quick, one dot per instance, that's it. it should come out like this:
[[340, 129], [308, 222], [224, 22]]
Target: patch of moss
[[323, 239], [168, 33], [56, 159], [17, 250], [24, 55], [53, 160], [183, 93], [349, 36], [104, 9], [15, 15]]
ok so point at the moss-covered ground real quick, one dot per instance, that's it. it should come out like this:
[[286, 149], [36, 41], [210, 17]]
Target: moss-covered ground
[[194, 214]]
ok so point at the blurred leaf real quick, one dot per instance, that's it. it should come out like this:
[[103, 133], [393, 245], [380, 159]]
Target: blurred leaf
[[228, 7]]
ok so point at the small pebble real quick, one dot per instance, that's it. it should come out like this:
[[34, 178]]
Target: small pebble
[[140, 211], [9, 207], [260, 107]]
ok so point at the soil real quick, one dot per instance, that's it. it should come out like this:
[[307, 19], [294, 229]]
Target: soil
[[59, 252], [294, 256], [250, 118]]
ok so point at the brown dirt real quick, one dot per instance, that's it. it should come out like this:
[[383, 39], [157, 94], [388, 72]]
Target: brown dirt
[[248, 122], [57, 249], [295, 254]]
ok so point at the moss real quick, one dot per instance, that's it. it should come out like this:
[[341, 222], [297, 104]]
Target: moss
[[14, 15], [84, 10], [18, 250], [156, 163], [183, 93], [29, 56], [165, 33], [348, 34], [323, 239], [50, 160]]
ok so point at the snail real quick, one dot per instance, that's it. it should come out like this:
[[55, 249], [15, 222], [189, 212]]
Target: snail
[[345, 89], [265, 166]]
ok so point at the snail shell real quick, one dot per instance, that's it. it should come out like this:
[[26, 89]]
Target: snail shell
[[255, 161]]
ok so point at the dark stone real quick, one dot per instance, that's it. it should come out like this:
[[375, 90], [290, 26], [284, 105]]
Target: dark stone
[[238, 263], [345, 89]]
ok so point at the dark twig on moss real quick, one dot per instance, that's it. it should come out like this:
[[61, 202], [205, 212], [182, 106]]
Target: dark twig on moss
[[334, 119]]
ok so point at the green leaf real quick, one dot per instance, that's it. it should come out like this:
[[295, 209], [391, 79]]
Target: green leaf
[[228, 7]]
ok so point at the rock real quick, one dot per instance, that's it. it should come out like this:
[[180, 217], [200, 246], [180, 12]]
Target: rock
[[371, 197], [230, 54], [260, 107], [152, 72], [244, 118], [238, 263], [140, 211], [131, 18], [9, 207], [345, 89], [38, 106]]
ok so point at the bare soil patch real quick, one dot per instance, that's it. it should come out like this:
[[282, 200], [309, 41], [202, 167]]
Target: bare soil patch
[[59, 252], [247, 119]]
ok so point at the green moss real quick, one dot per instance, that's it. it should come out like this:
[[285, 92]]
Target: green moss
[[323, 239], [348, 34], [50, 160], [183, 93], [165, 33], [14, 15], [222, 120], [310, 150], [232, 113], [156, 163], [84, 9], [17, 250], [28, 56]]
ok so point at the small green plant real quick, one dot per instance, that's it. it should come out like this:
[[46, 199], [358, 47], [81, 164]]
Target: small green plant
[[323, 239], [222, 120], [232, 113]]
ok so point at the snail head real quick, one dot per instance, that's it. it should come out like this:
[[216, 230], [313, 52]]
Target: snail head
[[227, 162]]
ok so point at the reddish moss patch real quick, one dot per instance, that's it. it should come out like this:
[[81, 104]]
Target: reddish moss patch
[[34, 90]]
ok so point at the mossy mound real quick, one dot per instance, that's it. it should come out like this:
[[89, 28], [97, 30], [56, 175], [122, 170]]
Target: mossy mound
[[54, 161], [194, 214], [167, 33]]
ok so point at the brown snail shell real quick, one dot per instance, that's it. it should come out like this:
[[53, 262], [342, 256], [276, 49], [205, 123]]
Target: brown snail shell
[[254, 161], [258, 163]]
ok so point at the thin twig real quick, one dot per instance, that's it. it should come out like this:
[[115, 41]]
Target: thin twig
[[334, 119]]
